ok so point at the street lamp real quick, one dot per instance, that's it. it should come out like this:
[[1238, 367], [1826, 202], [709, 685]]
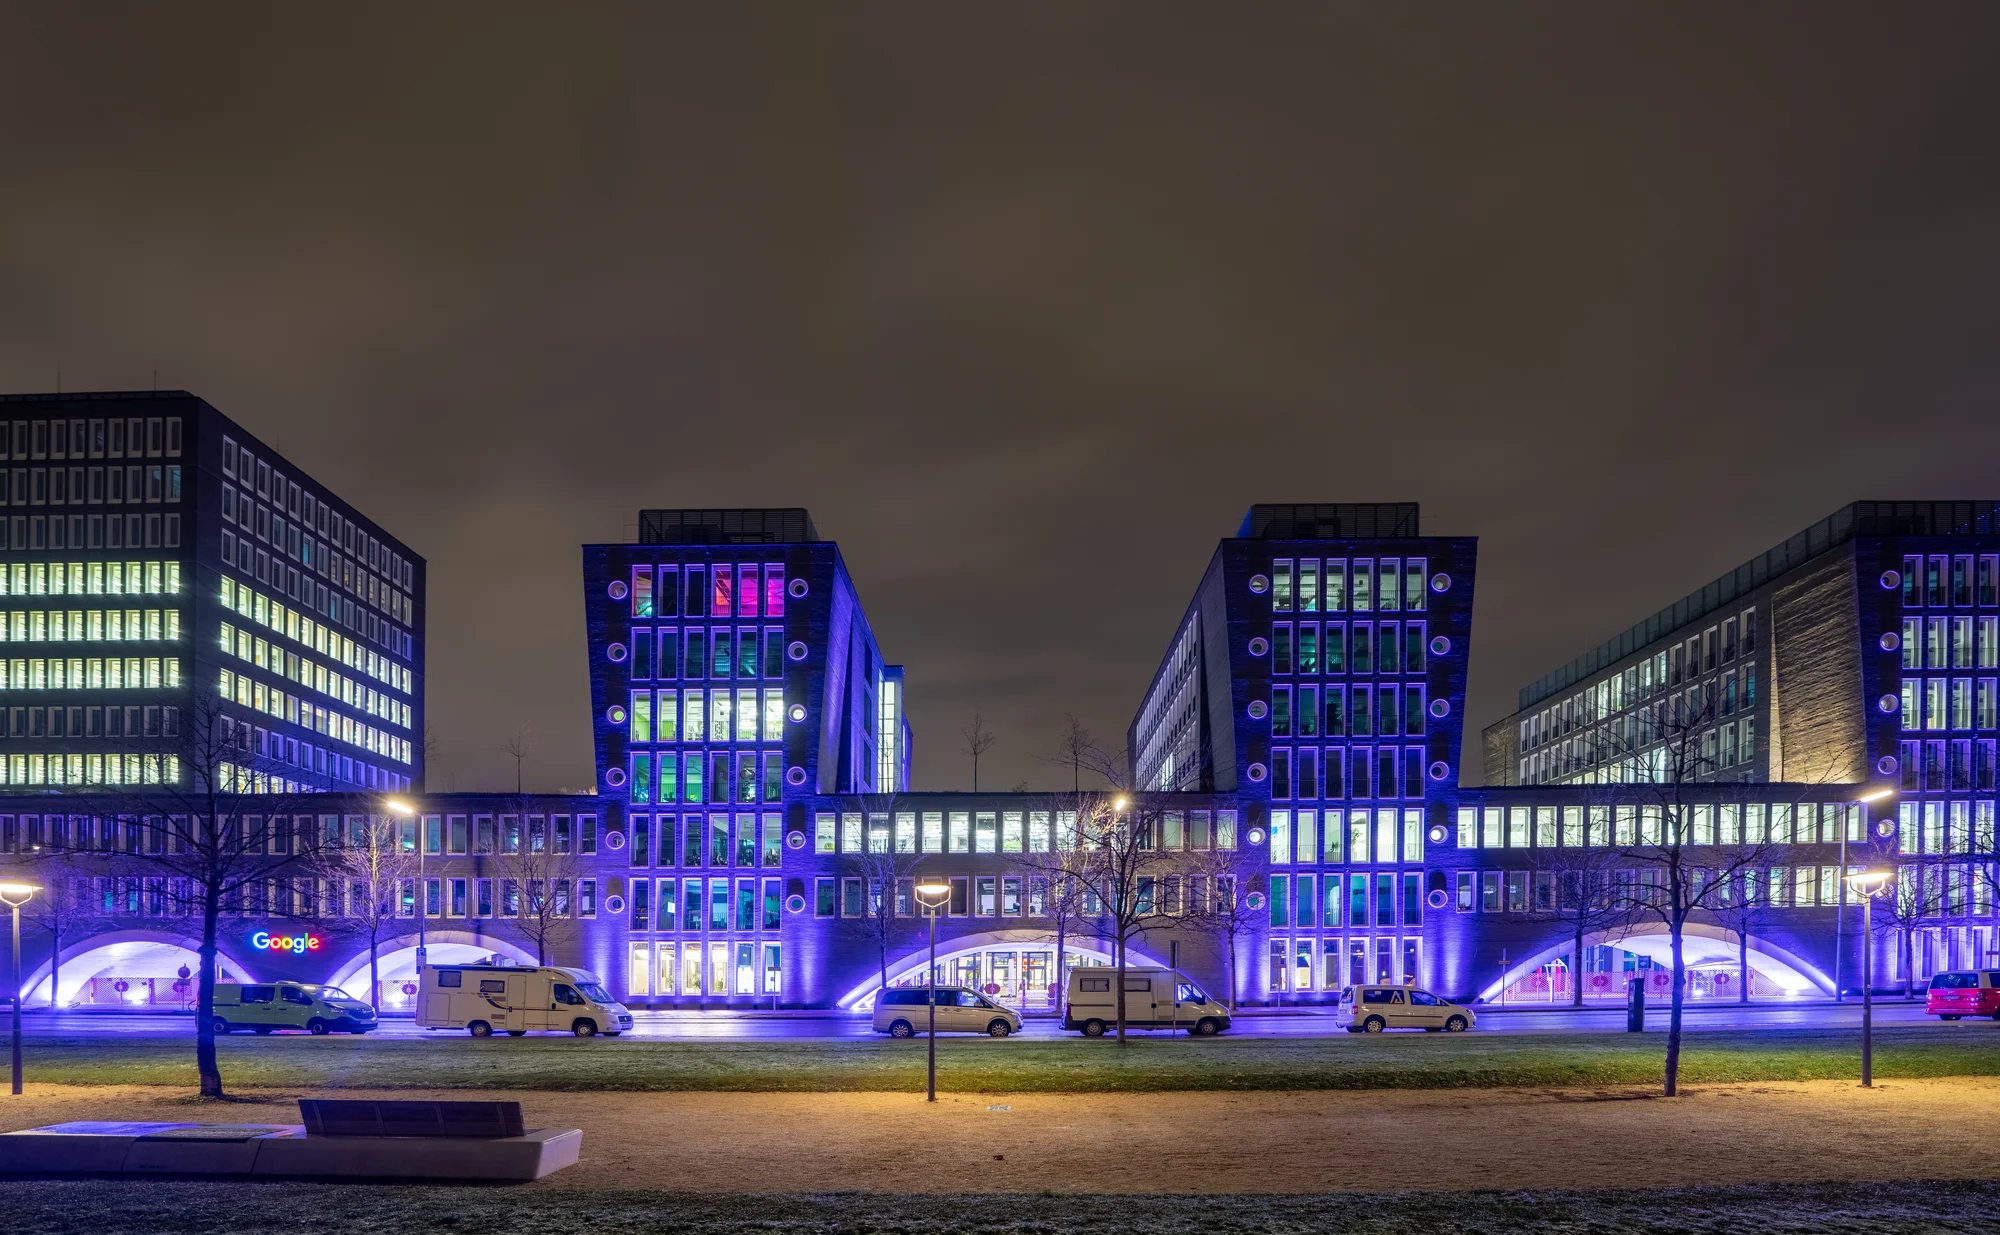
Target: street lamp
[[932, 895], [1840, 911], [399, 807], [1867, 883], [14, 894]]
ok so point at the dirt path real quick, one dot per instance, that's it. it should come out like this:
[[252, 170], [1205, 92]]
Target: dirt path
[[1213, 1142]]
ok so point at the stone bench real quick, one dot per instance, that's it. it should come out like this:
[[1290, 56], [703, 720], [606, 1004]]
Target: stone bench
[[340, 1138]]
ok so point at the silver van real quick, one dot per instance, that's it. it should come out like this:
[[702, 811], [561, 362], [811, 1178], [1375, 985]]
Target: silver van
[[1154, 999], [904, 1011], [1383, 1005]]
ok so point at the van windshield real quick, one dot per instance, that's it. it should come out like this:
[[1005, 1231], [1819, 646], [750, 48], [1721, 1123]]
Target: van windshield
[[324, 992], [593, 992]]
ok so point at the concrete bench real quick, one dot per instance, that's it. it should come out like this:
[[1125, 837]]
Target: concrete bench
[[339, 1139]]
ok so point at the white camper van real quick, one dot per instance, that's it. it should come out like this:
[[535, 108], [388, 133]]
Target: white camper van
[[1154, 999], [517, 998]]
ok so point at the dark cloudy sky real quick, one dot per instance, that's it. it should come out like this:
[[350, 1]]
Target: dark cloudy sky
[[1026, 303]]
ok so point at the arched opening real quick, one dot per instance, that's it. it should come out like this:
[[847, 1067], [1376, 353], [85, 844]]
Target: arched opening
[[1611, 959], [396, 963], [1016, 968], [126, 969]]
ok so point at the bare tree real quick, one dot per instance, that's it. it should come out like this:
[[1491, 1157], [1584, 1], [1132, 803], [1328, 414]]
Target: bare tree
[[1056, 889], [364, 865], [977, 742], [1576, 890], [1129, 882], [537, 869], [518, 746], [1219, 887], [887, 867], [1904, 905], [64, 908], [221, 819], [1076, 751]]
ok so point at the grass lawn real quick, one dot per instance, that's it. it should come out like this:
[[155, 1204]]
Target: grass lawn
[[241, 1208], [976, 1065]]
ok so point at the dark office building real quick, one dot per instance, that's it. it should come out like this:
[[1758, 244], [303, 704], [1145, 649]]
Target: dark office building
[[165, 571]]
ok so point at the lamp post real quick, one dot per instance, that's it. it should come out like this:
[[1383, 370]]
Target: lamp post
[[1867, 883], [14, 894], [399, 807], [1840, 912], [932, 896]]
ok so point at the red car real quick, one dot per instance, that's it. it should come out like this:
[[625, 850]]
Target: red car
[[1964, 992]]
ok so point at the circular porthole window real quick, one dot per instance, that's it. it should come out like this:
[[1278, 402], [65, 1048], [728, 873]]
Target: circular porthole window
[[1888, 703], [1440, 770], [1256, 771], [1437, 899], [1885, 828], [1255, 836], [1440, 582], [795, 903], [614, 904], [1259, 584], [795, 840], [1257, 709], [1258, 647], [616, 652], [614, 777], [615, 714], [796, 588], [616, 840], [1255, 900], [617, 589], [797, 713], [1887, 765], [1440, 645], [795, 776], [797, 651], [1438, 834], [1891, 641], [1891, 579], [1440, 708]]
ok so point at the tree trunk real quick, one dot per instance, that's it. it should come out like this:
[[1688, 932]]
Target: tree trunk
[[1576, 966], [1909, 960], [1743, 963], [374, 975], [882, 959], [1674, 1016], [1121, 992], [1059, 996], [1232, 975], [204, 1007]]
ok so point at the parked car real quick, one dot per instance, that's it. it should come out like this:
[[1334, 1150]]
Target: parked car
[[517, 998], [1964, 992], [1372, 1009], [266, 1007], [1154, 999], [903, 1012]]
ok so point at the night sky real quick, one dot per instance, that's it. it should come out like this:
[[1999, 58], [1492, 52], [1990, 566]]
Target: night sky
[[1026, 307]]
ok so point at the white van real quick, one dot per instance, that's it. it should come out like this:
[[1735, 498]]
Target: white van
[[266, 1007], [904, 1011], [1154, 999], [517, 998], [1387, 1005]]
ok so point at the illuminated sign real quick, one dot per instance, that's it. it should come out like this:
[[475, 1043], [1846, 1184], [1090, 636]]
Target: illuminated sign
[[298, 945]]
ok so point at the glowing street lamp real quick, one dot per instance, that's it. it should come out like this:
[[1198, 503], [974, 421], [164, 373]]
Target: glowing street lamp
[[1868, 883], [398, 807], [1840, 910], [933, 895], [15, 893]]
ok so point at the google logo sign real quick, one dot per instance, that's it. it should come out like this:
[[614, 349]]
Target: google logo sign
[[298, 945]]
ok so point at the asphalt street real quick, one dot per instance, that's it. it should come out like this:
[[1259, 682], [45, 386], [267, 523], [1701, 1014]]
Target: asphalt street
[[1774, 1017]]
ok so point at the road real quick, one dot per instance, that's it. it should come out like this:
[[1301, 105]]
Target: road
[[1251, 1023]]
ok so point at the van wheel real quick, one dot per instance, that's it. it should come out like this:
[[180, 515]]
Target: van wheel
[[1093, 1029], [221, 1027], [1374, 1024], [1207, 1027], [584, 1028], [1456, 1025], [901, 1029], [999, 1028], [479, 1029], [1946, 1017], [316, 1027], [517, 1033]]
